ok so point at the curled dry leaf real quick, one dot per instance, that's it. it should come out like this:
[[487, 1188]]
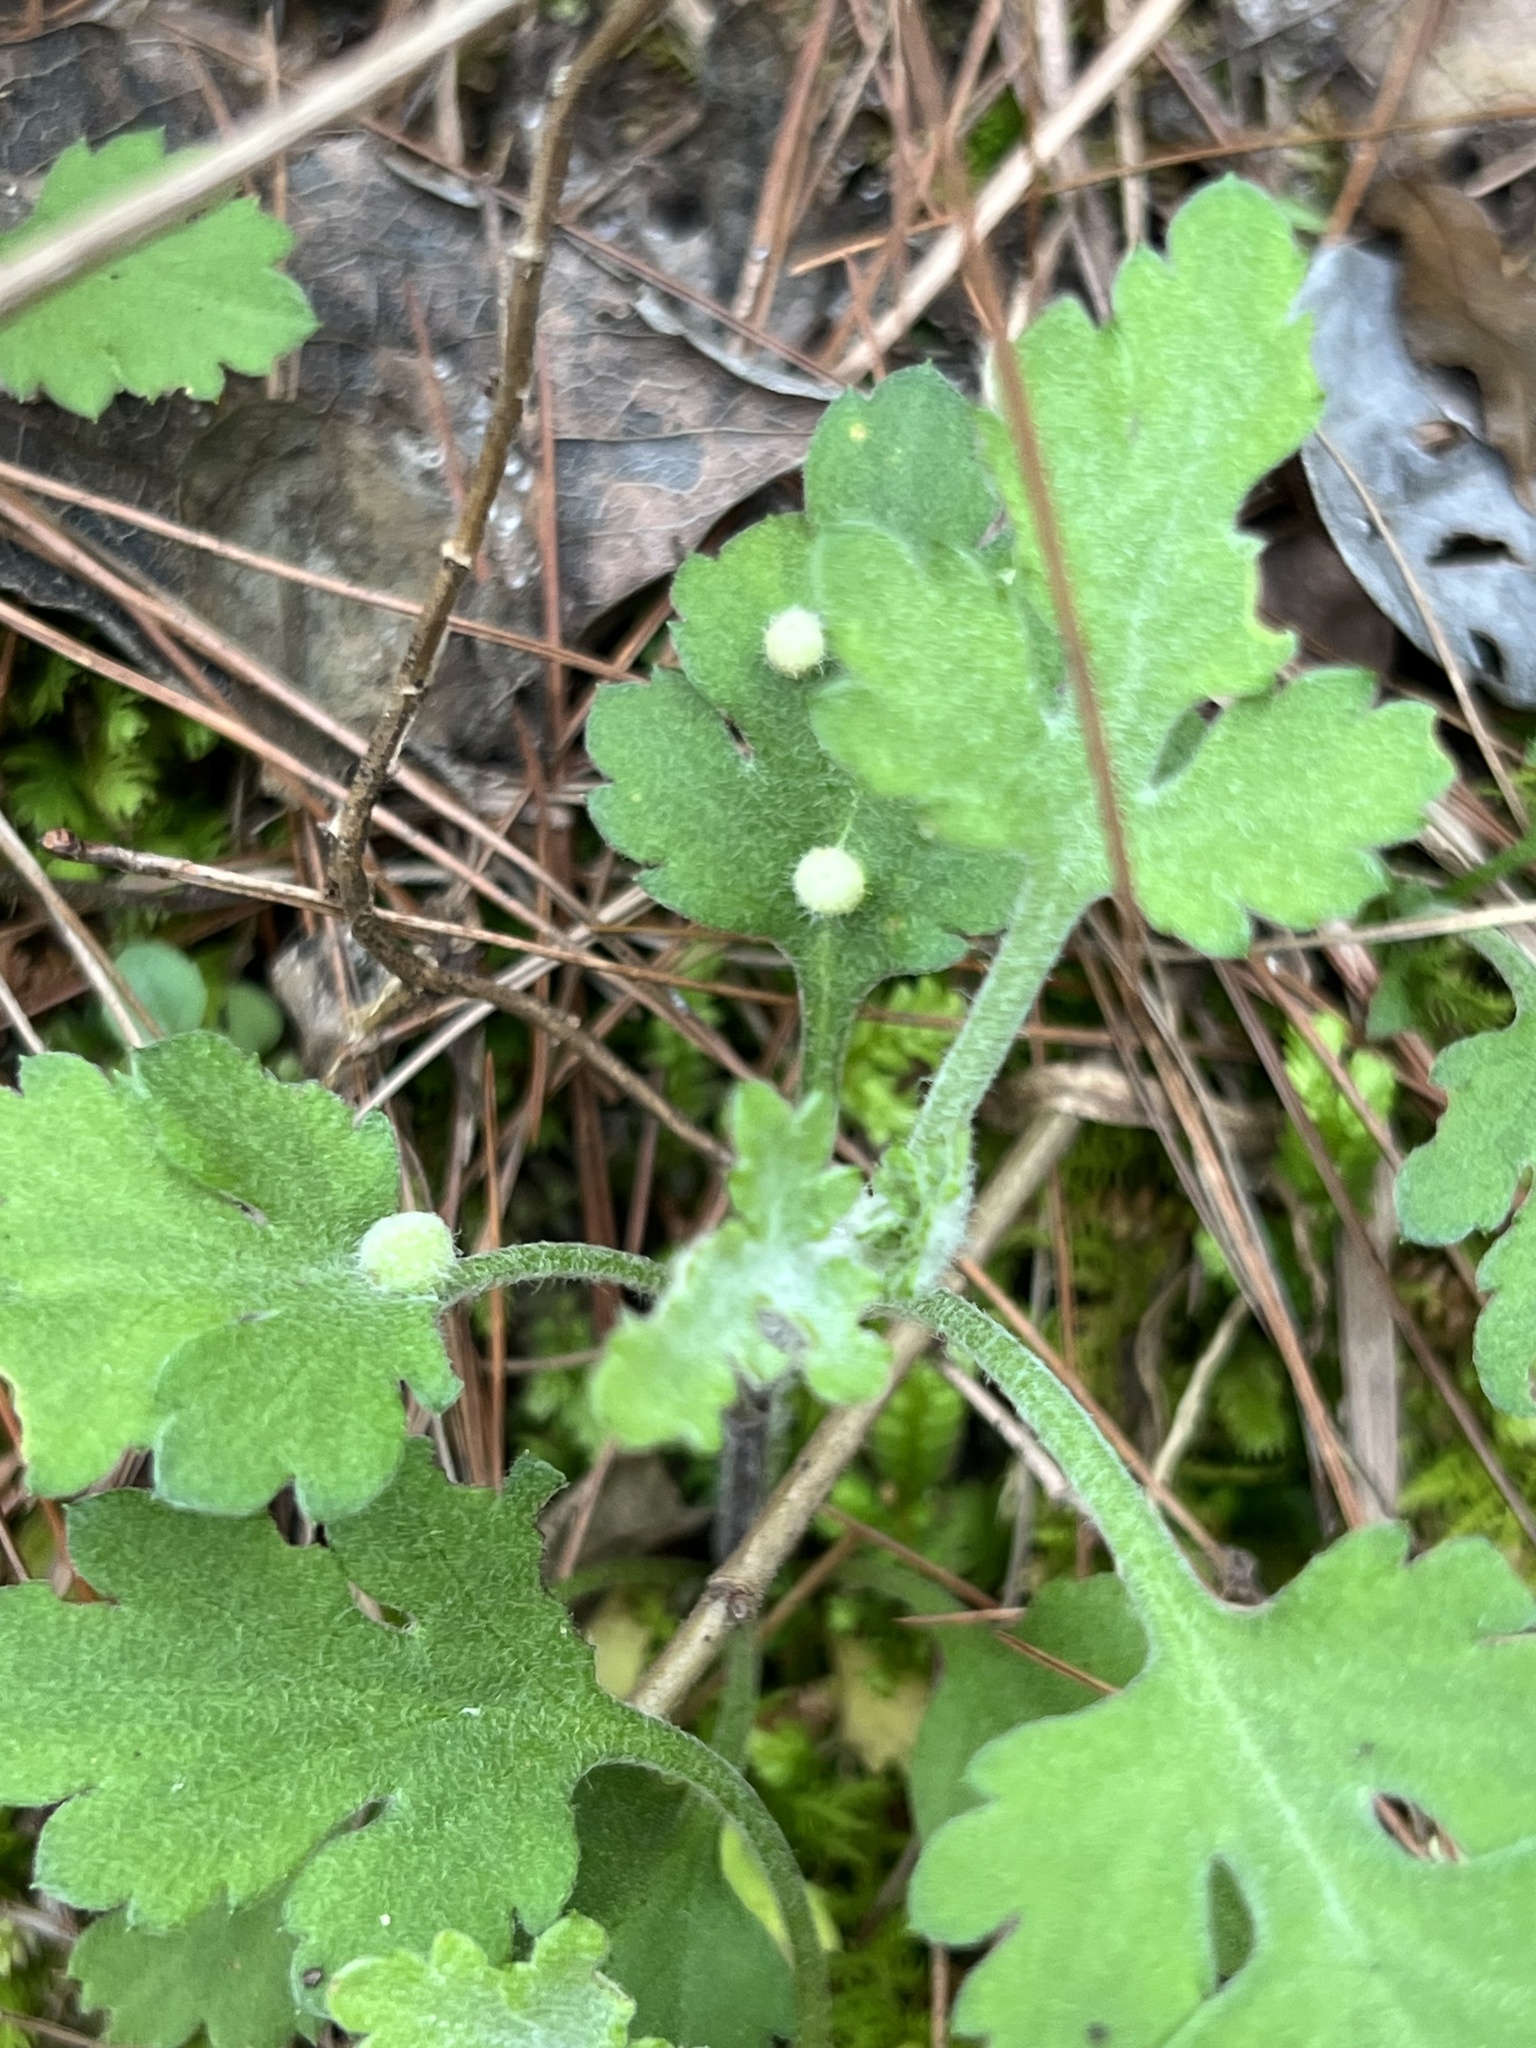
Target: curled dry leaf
[[1466, 306], [1447, 498]]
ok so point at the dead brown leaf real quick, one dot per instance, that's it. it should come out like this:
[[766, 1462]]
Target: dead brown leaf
[[1465, 306]]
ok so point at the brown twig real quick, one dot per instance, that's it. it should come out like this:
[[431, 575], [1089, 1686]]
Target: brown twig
[[309, 579], [1444, 654], [1414, 38], [1017, 173], [128, 1014], [1220, 1200], [774, 221], [348, 879]]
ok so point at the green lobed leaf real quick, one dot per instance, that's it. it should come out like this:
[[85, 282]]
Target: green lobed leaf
[[454, 1998], [178, 1255], [985, 1688], [226, 1974], [168, 316], [717, 784], [1153, 430], [770, 1293], [230, 1710], [699, 1966], [1468, 1176], [1224, 1801]]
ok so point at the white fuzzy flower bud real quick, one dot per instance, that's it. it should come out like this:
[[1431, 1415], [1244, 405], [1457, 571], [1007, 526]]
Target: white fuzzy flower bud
[[407, 1254], [829, 882], [794, 642]]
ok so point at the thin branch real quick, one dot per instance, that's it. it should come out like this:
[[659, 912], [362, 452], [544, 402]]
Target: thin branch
[[1169, 1502], [1186, 1417], [348, 879], [133, 1022], [497, 994], [309, 579], [981, 278], [1414, 37], [1015, 174]]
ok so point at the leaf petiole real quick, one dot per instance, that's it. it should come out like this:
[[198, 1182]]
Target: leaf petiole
[[663, 1747], [518, 1264], [1042, 922], [1156, 1575]]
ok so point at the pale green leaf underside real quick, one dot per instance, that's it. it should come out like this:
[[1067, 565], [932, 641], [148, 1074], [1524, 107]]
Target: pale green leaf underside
[[178, 1265], [169, 316], [229, 1709], [763, 1296], [226, 1974], [454, 1998], [1153, 429], [1255, 1742], [699, 1966], [1468, 1175], [722, 825]]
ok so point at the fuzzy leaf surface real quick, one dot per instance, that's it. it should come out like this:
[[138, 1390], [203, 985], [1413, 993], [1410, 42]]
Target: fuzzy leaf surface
[[722, 824], [454, 1998], [229, 1709], [226, 1974], [178, 1271], [1253, 1743], [1468, 1175], [770, 1292], [907, 457], [698, 1964], [1153, 430], [171, 315]]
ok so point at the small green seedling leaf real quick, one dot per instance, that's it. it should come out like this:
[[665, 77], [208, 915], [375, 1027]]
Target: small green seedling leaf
[[986, 1689], [179, 1251], [699, 1966], [169, 316], [1153, 429], [167, 982], [230, 1710], [772, 1292], [1234, 1781], [454, 1998], [1350, 1144], [1469, 1174], [226, 1974], [718, 785]]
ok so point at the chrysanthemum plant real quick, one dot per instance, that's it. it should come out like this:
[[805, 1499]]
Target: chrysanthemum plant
[[339, 1779]]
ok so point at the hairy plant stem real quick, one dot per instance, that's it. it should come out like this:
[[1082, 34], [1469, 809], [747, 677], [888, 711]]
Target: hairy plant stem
[[1042, 922], [1157, 1575], [518, 1264], [659, 1746]]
